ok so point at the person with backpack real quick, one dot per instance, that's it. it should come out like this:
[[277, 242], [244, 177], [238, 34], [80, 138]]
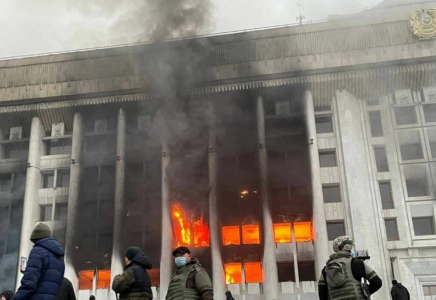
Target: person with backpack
[[399, 291], [134, 283], [190, 281], [343, 274]]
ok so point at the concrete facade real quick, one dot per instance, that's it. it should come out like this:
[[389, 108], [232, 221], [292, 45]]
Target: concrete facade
[[330, 124]]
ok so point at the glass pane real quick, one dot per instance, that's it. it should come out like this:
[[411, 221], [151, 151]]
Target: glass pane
[[375, 123], [231, 235], [335, 229], [331, 194], [327, 159], [45, 211], [48, 181], [61, 212], [429, 112], [432, 290], [253, 272], [386, 195], [391, 230], [410, 144], [405, 115], [426, 290], [250, 234], [416, 180], [5, 183], [282, 233], [423, 226], [324, 124], [381, 159]]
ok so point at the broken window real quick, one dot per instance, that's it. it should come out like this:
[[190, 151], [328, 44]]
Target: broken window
[[250, 234], [416, 180], [231, 235], [331, 193], [381, 159], [282, 233], [335, 229], [375, 123], [233, 273], [286, 272], [410, 144], [391, 229], [423, 225], [327, 159], [405, 115], [104, 279], [324, 124], [85, 279], [253, 272], [386, 195]]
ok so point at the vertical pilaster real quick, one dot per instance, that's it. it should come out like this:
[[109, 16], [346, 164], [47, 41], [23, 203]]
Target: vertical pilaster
[[217, 263], [120, 166], [73, 197], [33, 183], [319, 220], [270, 275], [166, 261]]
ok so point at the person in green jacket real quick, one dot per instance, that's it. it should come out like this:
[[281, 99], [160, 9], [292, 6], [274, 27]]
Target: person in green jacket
[[190, 281]]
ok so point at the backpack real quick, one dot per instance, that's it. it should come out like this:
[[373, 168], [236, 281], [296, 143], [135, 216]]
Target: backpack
[[335, 274]]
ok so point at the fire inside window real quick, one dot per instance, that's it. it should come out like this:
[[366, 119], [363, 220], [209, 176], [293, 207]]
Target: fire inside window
[[303, 232], [154, 276], [104, 279], [183, 226], [252, 272], [85, 279], [231, 235], [282, 233], [250, 234]]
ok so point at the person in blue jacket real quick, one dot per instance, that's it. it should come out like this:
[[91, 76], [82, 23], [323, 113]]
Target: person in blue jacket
[[45, 268]]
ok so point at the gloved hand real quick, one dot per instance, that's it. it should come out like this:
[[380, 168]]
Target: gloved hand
[[229, 295]]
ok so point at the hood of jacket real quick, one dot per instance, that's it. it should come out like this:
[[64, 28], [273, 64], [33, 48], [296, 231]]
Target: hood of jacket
[[51, 245], [399, 285], [339, 254], [142, 260]]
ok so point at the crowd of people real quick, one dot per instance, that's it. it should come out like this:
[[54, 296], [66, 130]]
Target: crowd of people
[[344, 276]]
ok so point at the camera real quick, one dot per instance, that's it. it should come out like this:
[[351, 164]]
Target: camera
[[363, 254]]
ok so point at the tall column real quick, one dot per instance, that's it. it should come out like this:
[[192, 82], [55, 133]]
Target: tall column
[[166, 261], [120, 166], [270, 275], [319, 221], [33, 183], [217, 262], [295, 256], [73, 197]]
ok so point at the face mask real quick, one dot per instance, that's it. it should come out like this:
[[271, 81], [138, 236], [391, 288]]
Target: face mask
[[180, 261], [352, 253]]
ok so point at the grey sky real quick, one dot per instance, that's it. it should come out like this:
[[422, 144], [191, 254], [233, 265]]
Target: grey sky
[[40, 26]]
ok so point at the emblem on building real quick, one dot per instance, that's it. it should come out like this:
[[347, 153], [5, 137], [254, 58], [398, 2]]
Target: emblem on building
[[423, 23]]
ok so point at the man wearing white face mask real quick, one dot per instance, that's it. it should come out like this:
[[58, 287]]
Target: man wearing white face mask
[[190, 281]]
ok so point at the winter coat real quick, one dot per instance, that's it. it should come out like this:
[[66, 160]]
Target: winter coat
[[134, 283], [399, 292], [44, 272], [66, 291]]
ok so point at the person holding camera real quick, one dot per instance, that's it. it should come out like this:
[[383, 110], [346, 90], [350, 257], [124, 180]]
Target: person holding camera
[[343, 274]]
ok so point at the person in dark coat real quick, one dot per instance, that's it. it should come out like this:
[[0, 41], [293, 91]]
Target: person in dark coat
[[399, 292], [7, 295], [92, 297], [45, 267], [66, 291], [229, 296], [134, 283]]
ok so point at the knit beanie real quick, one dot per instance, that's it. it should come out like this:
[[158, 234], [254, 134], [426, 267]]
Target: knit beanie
[[7, 294], [131, 252], [41, 231]]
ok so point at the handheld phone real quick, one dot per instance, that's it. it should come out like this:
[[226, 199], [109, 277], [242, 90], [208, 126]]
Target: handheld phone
[[23, 263]]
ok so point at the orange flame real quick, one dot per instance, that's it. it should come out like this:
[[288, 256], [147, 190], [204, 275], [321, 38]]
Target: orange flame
[[201, 233], [182, 229], [233, 273]]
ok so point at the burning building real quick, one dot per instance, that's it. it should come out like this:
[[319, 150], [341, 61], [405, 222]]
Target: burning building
[[257, 155]]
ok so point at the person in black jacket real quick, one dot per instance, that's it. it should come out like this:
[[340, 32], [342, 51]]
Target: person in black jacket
[[399, 292], [229, 296], [66, 291], [134, 283]]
